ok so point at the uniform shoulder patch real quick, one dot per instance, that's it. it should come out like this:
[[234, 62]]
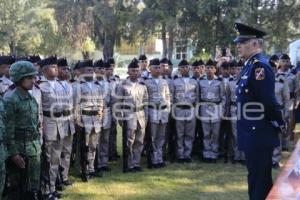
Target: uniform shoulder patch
[[260, 73]]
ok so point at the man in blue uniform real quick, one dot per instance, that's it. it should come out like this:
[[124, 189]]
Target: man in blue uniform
[[259, 116]]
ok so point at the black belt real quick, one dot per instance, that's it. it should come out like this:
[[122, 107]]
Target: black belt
[[281, 106], [90, 112], [157, 106], [185, 106], [212, 102], [27, 138], [233, 103], [134, 109], [64, 113]]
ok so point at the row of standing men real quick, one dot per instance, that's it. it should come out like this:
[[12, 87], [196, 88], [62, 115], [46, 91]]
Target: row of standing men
[[174, 112]]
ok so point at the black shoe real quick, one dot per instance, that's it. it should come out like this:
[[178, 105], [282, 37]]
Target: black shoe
[[243, 162], [161, 165], [105, 169], [49, 196], [138, 169], [57, 194], [180, 160], [155, 166], [285, 149], [85, 177], [129, 170], [188, 160], [96, 174], [67, 183], [275, 166], [59, 187]]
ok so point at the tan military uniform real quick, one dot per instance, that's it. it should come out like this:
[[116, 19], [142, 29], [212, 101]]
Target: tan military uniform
[[69, 127], [186, 96], [232, 107], [88, 101], [53, 127], [113, 83], [213, 99], [133, 98], [294, 86], [159, 108], [103, 145], [282, 95]]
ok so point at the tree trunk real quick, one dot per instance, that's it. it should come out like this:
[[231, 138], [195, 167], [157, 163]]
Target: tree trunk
[[171, 43], [164, 39], [12, 47], [109, 44]]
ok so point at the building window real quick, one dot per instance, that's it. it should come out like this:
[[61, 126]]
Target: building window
[[181, 49]]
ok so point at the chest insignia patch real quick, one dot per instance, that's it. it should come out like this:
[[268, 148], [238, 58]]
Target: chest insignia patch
[[259, 74]]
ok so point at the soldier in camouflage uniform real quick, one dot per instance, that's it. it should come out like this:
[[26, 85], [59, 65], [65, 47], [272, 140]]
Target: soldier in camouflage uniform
[[22, 134], [2, 148]]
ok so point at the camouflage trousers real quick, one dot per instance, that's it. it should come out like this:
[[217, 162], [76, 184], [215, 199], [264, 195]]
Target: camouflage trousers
[[2, 177], [23, 180]]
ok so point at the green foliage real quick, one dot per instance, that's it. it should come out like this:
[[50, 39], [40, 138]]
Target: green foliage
[[62, 27]]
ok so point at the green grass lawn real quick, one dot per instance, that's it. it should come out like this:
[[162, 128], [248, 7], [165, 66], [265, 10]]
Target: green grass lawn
[[177, 181]]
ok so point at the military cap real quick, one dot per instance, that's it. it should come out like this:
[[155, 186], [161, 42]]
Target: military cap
[[76, 66], [111, 61], [195, 63], [164, 61], [22, 58], [85, 63], [7, 60], [98, 64], [285, 57], [225, 65], [240, 63], [183, 63], [246, 33], [106, 65], [34, 58], [274, 57], [62, 62], [143, 57], [52, 60], [133, 64], [200, 62], [154, 62], [210, 62], [233, 63]]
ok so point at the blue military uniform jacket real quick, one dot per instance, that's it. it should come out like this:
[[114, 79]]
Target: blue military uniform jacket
[[255, 85]]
